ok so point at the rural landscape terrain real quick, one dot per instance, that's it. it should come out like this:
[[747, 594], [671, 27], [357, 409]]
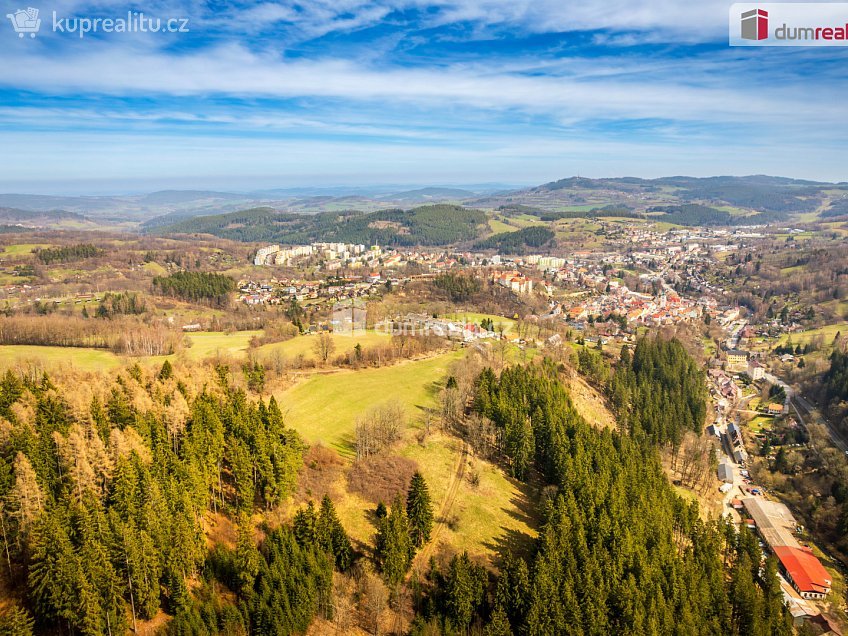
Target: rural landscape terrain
[[594, 406]]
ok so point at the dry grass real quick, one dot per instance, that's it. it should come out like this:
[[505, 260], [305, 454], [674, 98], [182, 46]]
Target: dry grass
[[381, 478]]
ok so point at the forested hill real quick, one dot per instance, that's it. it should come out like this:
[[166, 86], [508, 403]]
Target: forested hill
[[517, 242], [621, 552], [756, 192], [425, 225]]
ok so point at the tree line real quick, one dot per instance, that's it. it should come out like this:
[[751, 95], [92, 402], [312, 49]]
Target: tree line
[[196, 286], [68, 253], [123, 334]]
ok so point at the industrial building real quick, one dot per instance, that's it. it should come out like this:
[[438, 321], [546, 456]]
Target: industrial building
[[776, 526]]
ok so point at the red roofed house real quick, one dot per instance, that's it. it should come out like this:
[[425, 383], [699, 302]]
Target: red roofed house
[[804, 571]]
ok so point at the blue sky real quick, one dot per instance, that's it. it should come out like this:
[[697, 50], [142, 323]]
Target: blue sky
[[345, 92]]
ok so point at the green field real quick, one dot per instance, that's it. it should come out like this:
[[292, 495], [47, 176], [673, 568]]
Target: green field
[[23, 248], [526, 220], [206, 344], [497, 226], [304, 345], [324, 407], [77, 357], [475, 318], [154, 268], [828, 333]]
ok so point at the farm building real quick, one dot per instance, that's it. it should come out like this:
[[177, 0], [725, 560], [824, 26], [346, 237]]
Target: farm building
[[776, 525]]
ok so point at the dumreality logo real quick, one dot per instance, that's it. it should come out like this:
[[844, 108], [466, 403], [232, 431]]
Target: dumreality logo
[[755, 24], [789, 24]]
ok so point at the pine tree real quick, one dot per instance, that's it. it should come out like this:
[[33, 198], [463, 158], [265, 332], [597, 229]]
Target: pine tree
[[16, 621], [26, 498], [393, 547], [419, 510], [464, 589], [331, 535], [166, 372], [380, 511]]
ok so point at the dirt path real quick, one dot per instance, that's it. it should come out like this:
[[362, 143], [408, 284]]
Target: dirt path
[[442, 516]]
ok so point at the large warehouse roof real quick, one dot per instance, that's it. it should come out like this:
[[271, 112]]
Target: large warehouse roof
[[774, 521], [805, 569]]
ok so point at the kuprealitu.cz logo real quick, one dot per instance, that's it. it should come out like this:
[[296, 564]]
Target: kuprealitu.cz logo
[[789, 24], [28, 22]]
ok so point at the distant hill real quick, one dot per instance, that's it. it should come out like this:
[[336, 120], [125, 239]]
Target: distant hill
[[174, 197], [44, 203], [429, 195], [131, 207], [837, 208], [30, 218], [761, 193], [424, 225], [775, 198]]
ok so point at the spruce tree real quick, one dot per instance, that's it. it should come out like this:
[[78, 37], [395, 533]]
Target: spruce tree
[[419, 509], [394, 547], [331, 536]]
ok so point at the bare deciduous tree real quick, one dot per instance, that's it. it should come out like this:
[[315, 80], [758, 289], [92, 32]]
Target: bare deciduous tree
[[379, 428], [324, 346]]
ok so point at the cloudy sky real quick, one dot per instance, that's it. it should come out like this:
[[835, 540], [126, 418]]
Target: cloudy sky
[[345, 92]]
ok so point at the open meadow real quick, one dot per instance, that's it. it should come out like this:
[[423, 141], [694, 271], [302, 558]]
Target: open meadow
[[324, 407]]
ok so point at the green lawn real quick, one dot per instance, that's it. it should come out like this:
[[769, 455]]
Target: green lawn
[[79, 357], [760, 424], [324, 407]]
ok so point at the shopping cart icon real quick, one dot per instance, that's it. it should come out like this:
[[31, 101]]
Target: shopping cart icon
[[25, 21]]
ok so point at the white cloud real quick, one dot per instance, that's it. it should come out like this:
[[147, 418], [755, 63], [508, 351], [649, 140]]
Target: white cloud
[[235, 71]]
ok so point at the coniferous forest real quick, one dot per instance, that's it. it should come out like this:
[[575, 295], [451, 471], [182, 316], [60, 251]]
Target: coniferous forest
[[107, 504], [620, 552]]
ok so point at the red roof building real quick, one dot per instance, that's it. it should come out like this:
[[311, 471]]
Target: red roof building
[[804, 571]]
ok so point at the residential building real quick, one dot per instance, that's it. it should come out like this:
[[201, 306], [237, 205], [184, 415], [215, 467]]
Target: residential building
[[737, 359], [775, 409], [756, 371]]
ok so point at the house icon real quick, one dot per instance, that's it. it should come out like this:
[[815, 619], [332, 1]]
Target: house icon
[[755, 24]]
